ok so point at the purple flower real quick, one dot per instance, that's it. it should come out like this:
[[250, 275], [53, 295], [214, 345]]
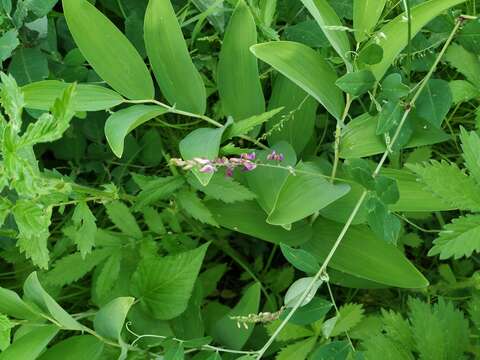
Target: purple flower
[[274, 156], [201, 161], [249, 166], [208, 169], [229, 172], [252, 156]]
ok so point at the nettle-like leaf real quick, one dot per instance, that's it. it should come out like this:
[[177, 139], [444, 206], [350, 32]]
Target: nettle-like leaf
[[5, 329], [459, 238], [471, 152], [12, 100], [83, 229], [194, 207], [123, 219], [298, 350], [449, 183], [348, 316]]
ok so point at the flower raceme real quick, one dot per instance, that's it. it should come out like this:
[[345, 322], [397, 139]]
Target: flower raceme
[[246, 161]]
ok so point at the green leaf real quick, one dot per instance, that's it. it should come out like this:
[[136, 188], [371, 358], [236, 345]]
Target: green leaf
[[28, 65], [33, 221], [223, 188], [8, 43], [307, 32], [165, 285], [464, 62], [157, 189], [73, 267], [12, 305], [366, 14], [363, 255], [110, 318], [389, 117], [120, 215], [175, 352], [193, 206], [393, 87], [383, 223], [361, 172], [238, 80], [387, 189], [463, 91], [331, 26], [242, 127], [348, 316], [298, 288], [81, 347], [42, 94], [449, 183], [300, 259], [394, 34], [303, 194], [434, 102], [295, 123], [371, 54], [226, 332], [471, 152], [336, 350], [297, 351], [179, 80], [30, 345], [108, 275], [12, 100], [123, 122], [202, 143], [109, 52], [154, 221], [315, 310], [289, 332], [5, 331], [306, 68], [356, 83], [214, 356], [459, 238], [248, 218], [83, 229]]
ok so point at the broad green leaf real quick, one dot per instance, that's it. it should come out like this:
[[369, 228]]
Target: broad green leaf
[[303, 194], [298, 288], [122, 122], [363, 255], [468, 36], [83, 229], [361, 171], [360, 140], [298, 350], [110, 319], [449, 183], [389, 117], [28, 65], [35, 294], [238, 79], [356, 83], [164, 285], [81, 347], [393, 88], [387, 189], [306, 68], [395, 33], [366, 14], [471, 152], [109, 52], [248, 218], [202, 143], [315, 310], [300, 259], [458, 239], [296, 122], [290, 331], [30, 345], [194, 207], [383, 223], [434, 102], [465, 62], [331, 25], [175, 352], [6, 326], [8, 43], [307, 32], [226, 331], [463, 91], [348, 316], [371, 54], [177, 76], [120, 215], [42, 94], [12, 305], [335, 350], [214, 356]]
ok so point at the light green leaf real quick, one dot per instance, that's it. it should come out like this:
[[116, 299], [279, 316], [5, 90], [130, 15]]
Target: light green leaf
[[465, 62], [314, 311], [330, 24], [157, 189], [348, 316], [226, 331], [298, 288], [306, 68], [12, 100], [42, 94], [5, 331], [109, 52], [12, 305], [300, 259], [110, 318], [35, 294], [179, 80], [242, 127], [303, 194], [356, 83], [463, 91], [193, 206], [371, 54], [393, 38], [81, 347], [366, 14], [471, 152], [238, 80], [108, 275], [8, 42], [382, 222], [164, 285], [175, 352], [83, 230], [298, 350], [289, 332], [30, 345], [122, 122], [120, 215]]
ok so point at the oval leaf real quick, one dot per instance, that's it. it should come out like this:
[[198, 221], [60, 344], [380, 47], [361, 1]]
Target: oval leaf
[[306, 68], [296, 290], [83, 347], [177, 76], [109, 52], [109, 320], [366, 14]]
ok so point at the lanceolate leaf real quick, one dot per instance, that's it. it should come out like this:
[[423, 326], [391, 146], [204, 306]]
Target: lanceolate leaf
[[174, 70], [366, 14], [238, 79], [81, 347], [306, 68], [122, 122], [31, 344], [109, 52], [331, 25], [395, 34]]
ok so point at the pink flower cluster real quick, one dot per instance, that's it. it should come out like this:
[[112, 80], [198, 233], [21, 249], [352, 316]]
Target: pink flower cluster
[[246, 161]]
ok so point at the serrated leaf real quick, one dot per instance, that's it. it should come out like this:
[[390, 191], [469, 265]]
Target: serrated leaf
[[465, 62], [155, 189], [121, 216], [449, 183], [5, 331], [8, 42], [471, 152], [164, 285], [348, 316], [154, 221], [195, 207], [108, 275], [244, 126], [387, 189], [83, 230], [12, 100], [297, 351]]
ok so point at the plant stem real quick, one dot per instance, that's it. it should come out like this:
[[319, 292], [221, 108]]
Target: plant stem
[[364, 194], [338, 135]]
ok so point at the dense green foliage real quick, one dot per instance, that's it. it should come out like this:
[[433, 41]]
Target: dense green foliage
[[239, 179]]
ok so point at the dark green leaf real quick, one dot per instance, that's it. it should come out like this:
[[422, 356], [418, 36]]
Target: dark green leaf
[[300, 259], [356, 83]]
